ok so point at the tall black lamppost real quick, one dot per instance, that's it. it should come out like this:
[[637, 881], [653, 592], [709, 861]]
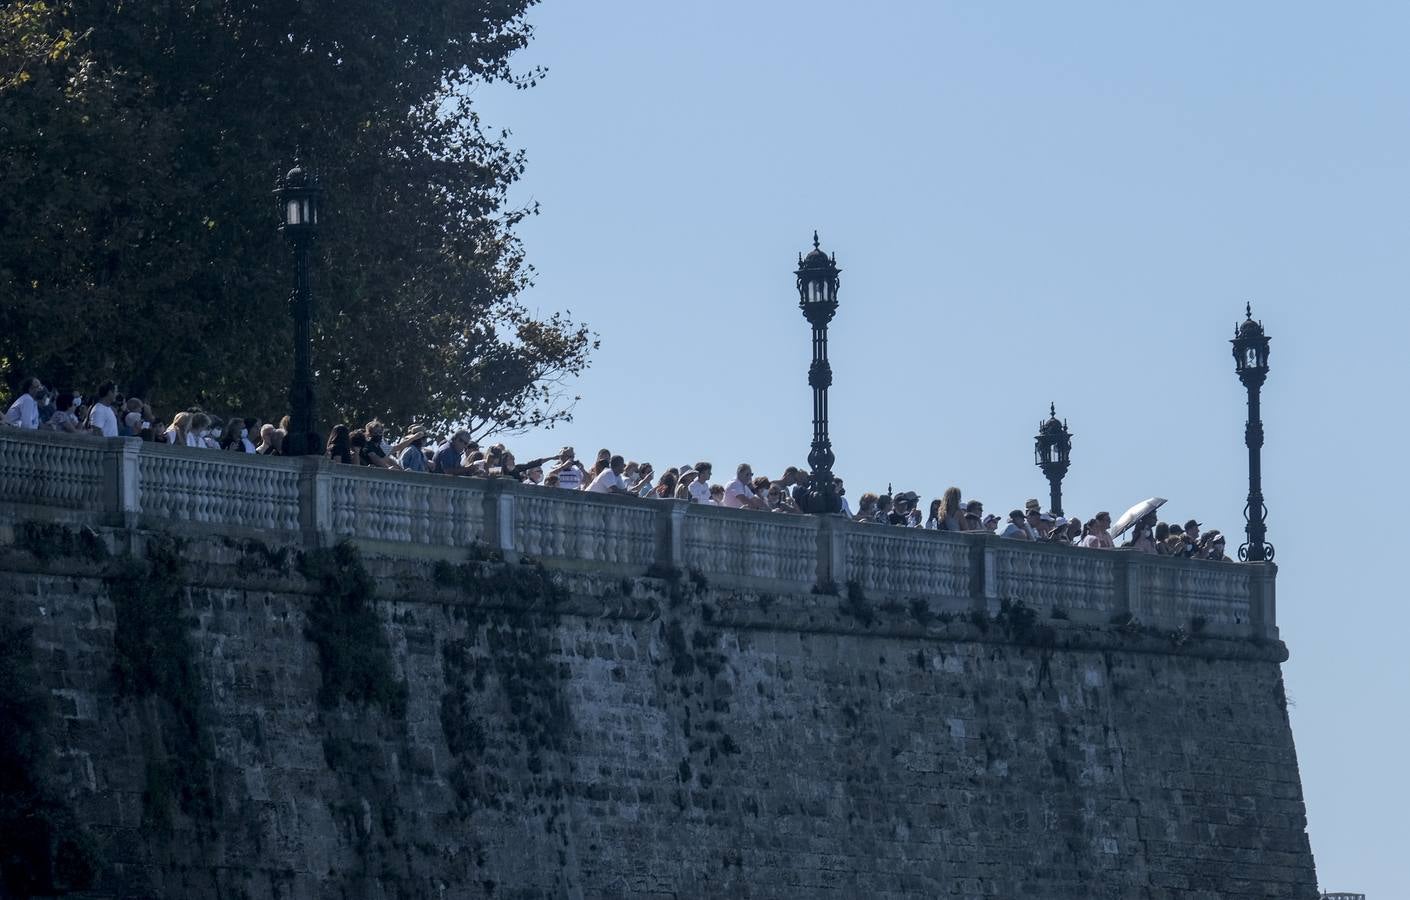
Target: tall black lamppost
[[299, 194], [817, 297], [1251, 364], [1051, 449]]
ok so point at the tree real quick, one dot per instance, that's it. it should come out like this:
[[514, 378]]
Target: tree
[[138, 146]]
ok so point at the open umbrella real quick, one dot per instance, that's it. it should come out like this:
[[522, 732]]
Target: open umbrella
[[1135, 514]]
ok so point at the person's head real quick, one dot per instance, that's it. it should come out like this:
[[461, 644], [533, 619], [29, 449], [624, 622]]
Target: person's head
[[883, 503], [372, 429], [266, 434], [688, 475], [1192, 530], [32, 386], [717, 492], [866, 502], [704, 470], [760, 484], [133, 421], [460, 440], [534, 475], [1074, 527], [181, 421], [1031, 505], [950, 502], [645, 470], [200, 423], [668, 479], [934, 509], [1033, 517], [905, 502], [838, 486], [1162, 531], [64, 401], [744, 472], [107, 392], [565, 454], [1016, 516], [1103, 520], [974, 508], [474, 456], [632, 468], [774, 494], [338, 438], [616, 462], [551, 481], [1215, 540], [790, 476], [133, 404]]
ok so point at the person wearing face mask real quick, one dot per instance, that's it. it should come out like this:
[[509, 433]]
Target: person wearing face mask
[[214, 434], [200, 429]]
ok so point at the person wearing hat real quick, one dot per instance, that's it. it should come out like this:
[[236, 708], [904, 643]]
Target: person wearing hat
[[410, 451], [684, 481], [1213, 545], [1017, 528], [905, 510], [570, 472]]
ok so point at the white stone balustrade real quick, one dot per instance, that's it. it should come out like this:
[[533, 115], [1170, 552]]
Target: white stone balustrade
[[1052, 576], [909, 562], [127, 483]]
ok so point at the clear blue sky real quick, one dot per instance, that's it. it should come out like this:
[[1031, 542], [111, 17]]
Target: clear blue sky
[[1031, 203]]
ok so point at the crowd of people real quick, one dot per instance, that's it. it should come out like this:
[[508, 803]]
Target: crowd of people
[[419, 450]]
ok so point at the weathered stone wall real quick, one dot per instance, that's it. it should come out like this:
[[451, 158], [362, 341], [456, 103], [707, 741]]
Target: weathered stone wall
[[644, 737]]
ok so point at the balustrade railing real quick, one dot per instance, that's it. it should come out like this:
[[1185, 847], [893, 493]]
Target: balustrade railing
[[125, 482]]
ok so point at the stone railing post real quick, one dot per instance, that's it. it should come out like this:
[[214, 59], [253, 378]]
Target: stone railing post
[[499, 518], [316, 500], [1127, 582], [832, 552], [1263, 600], [981, 573], [670, 534], [122, 502]]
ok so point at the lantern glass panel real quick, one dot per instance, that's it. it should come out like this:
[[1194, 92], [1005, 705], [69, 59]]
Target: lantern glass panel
[[1251, 358], [291, 213]]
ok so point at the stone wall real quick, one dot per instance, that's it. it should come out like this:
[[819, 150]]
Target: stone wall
[[492, 729]]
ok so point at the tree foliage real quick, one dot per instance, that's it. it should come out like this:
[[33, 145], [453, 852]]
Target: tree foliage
[[139, 143]]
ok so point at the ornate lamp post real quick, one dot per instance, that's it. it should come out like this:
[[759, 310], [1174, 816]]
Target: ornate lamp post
[[299, 194], [1251, 365], [1051, 449], [817, 297]]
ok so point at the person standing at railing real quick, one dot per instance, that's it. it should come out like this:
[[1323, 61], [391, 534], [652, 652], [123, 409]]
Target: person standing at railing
[[700, 487], [63, 420], [609, 480], [372, 453], [569, 470], [101, 417], [24, 412], [1098, 537]]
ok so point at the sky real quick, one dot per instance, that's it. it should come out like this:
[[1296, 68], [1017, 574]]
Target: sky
[[1030, 203]]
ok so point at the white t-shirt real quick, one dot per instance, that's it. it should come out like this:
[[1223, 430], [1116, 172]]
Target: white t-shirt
[[24, 412], [571, 477], [605, 481], [699, 491], [104, 419], [737, 494], [195, 440]]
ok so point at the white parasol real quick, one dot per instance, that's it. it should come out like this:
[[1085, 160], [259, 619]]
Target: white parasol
[[1135, 514]]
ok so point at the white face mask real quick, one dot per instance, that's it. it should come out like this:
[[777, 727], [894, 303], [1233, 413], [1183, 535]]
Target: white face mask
[[77, 402]]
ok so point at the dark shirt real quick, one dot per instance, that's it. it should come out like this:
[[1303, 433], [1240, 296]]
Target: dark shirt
[[447, 460], [370, 451]]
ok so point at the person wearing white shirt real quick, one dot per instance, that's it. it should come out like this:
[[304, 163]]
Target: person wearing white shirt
[[24, 412], [101, 417], [610, 480], [569, 470], [700, 487], [737, 492]]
